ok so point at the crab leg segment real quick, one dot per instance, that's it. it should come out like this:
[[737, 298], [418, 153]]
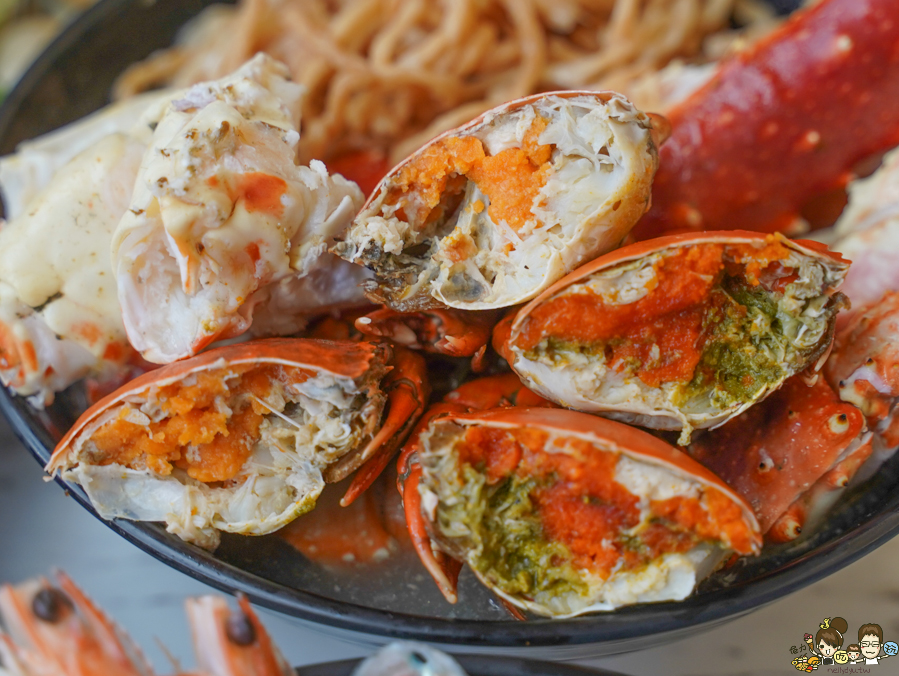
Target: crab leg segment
[[776, 451], [864, 366], [407, 390], [781, 122], [456, 333], [442, 568], [808, 509]]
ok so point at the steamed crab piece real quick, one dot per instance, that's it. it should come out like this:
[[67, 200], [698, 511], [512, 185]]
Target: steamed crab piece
[[230, 642], [53, 628], [60, 318], [241, 438], [681, 332], [563, 513], [781, 122], [787, 455], [221, 216], [488, 215]]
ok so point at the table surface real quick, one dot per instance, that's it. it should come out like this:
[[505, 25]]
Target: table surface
[[42, 529]]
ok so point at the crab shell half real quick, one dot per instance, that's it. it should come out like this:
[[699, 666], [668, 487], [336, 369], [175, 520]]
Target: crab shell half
[[356, 369], [558, 385], [592, 212], [670, 577]]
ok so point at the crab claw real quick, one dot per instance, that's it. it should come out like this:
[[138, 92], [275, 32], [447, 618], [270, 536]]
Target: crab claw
[[781, 122], [407, 390], [455, 333]]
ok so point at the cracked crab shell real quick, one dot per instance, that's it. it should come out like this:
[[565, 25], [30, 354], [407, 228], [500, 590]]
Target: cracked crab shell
[[563, 513], [238, 439], [679, 332], [491, 213]]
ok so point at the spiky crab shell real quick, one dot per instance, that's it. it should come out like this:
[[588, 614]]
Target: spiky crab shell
[[607, 435], [600, 230], [636, 411]]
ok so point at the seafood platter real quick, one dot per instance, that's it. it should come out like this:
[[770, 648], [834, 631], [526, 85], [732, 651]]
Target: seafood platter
[[571, 373]]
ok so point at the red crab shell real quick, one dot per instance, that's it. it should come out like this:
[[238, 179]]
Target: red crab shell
[[781, 122], [344, 359], [509, 329], [777, 451]]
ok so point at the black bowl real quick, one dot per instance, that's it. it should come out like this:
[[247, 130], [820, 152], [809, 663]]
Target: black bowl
[[474, 665], [394, 600]]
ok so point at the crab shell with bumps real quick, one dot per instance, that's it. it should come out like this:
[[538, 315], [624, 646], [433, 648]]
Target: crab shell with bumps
[[609, 209], [555, 384]]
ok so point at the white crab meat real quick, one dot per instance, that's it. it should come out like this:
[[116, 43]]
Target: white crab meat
[[490, 214], [221, 213], [868, 235], [28, 171], [59, 313]]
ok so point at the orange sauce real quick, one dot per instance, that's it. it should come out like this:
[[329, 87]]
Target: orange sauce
[[222, 442], [511, 179], [660, 337], [582, 506], [262, 192]]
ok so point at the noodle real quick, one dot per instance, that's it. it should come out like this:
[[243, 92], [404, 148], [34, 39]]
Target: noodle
[[387, 75]]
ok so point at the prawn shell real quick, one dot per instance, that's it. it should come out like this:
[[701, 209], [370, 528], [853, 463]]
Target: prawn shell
[[644, 415], [342, 359], [624, 220]]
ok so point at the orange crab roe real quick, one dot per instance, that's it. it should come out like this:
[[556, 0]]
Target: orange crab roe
[[661, 335], [207, 443], [511, 179], [582, 506]]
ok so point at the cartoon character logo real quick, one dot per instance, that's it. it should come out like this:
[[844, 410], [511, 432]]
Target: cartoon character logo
[[829, 638], [826, 646], [870, 641]]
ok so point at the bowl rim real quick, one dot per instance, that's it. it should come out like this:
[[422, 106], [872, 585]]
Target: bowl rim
[[624, 625]]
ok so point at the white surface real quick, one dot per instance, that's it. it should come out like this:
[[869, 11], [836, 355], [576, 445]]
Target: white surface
[[43, 529]]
